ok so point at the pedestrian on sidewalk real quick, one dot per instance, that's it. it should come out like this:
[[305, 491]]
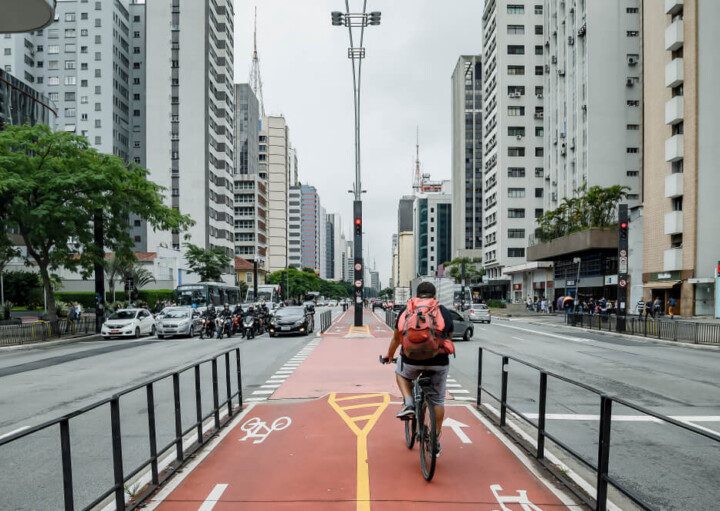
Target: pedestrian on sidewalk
[[657, 307], [431, 354], [672, 303]]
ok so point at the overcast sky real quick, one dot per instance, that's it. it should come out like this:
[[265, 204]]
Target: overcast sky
[[406, 82]]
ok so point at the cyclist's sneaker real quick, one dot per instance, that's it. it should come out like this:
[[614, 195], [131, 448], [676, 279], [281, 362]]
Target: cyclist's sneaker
[[406, 412]]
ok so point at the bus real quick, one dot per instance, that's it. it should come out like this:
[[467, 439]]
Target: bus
[[268, 293], [203, 294]]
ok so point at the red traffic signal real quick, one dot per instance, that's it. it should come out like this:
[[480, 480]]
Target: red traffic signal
[[624, 230], [358, 225]]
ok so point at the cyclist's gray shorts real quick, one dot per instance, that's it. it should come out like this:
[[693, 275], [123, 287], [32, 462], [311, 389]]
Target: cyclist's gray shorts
[[436, 394]]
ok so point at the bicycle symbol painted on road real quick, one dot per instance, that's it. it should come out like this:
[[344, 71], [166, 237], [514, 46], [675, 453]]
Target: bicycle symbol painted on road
[[521, 498], [258, 430]]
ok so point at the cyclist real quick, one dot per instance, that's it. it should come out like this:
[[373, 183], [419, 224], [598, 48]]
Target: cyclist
[[407, 369]]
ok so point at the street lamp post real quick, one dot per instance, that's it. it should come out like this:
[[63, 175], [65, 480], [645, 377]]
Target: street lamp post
[[356, 54], [577, 261]]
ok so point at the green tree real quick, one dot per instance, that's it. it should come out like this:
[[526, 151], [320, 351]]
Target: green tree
[[116, 268], [210, 263], [388, 293], [465, 267], [53, 186]]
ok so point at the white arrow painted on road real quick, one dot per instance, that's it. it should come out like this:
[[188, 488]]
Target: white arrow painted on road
[[457, 426]]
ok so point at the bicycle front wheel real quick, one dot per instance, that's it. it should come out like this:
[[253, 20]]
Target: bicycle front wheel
[[410, 428], [428, 439]]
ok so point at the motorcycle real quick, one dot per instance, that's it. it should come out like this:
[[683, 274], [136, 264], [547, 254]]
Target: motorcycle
[[237, 324], [208, 329], [223, 327], [249, 327]]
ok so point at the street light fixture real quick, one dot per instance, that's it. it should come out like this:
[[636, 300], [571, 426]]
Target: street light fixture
[[356, 54]]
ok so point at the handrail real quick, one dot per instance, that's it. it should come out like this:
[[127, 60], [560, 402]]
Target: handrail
[[601, 469]]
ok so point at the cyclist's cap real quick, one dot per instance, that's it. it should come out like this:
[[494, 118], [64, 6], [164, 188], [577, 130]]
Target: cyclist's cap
[[425, 290]]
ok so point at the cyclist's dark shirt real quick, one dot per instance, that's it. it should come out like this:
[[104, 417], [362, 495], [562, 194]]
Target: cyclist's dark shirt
[[438, 360]]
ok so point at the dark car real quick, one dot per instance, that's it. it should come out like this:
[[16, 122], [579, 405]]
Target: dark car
[[291, 320]]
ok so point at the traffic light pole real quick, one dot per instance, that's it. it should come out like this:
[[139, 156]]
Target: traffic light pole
[[359, 284], [623, 278]]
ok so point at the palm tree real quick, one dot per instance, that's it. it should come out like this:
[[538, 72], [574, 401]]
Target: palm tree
[[116, 268]]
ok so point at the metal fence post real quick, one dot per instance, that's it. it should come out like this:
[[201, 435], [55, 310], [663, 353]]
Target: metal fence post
[[542, 400], [239, 378], [198, 405], [66, 465], [152, 433], [216, 392], [178, 418], [118, 472], [227, 384], [503, 391], [603, 452], [479, 377]]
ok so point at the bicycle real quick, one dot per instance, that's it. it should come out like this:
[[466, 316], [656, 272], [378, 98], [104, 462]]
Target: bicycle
[[422, 425]]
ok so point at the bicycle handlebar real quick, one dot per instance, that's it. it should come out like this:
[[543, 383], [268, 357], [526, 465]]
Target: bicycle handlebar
[[385, 360]]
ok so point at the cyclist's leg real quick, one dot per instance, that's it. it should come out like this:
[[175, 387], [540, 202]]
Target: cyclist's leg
[[437, 395], [404, 374]]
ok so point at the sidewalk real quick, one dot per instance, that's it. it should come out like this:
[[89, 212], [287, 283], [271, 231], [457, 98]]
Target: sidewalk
[[327, 439]]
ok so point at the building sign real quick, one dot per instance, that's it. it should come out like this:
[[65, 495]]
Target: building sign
[[569, 283], [666, 275], [517, 287], [611, 280]]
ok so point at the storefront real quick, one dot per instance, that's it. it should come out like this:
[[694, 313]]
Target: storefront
[[664, 285], [704, 296], [530, 280]]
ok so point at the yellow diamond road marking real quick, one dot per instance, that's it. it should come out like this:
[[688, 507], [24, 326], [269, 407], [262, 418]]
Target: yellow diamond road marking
[[380, 402], [359, 329]]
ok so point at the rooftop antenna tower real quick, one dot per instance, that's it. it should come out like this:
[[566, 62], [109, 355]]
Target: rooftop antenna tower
[[417, 181], [255, 78]]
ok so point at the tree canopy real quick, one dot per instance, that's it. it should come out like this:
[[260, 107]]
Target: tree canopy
[[53, 186], [297, 283], [591, 207], [466, 265], [209, 263]]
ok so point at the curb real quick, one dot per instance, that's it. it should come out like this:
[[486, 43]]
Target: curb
[[679, 344], [58, 342]]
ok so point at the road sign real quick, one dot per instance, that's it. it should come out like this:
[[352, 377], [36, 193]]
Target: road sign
[[623, 265], [358, 283], [623, 253], [358, 267], [622, 283]]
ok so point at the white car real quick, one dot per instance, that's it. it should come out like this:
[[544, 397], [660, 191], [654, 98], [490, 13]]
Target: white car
[[128, 323], [479, 312]]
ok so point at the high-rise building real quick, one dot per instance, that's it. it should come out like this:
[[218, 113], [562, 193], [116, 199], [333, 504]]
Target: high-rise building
[[82, 62], [312, 227], [467, 173], [274, 157], [432, 215], [680, 152], [294, 227], [375, 280], [190, 101], [334, 241], [513, 68], [250, 182], [592, 96]]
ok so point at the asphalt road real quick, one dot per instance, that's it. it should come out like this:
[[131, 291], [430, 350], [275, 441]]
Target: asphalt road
[[46, 382], [669, 467]]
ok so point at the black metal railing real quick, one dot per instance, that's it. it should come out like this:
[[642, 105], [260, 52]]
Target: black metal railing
[[157, 473], [695, 332], [39, 331], [601, 468], [324, 320]]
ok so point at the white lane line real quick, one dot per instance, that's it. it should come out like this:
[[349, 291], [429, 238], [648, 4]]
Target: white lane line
[[277, 378], [253, 399], [458, 391], [451, 380], [270, 386], [547, 334], [463, 398], [519, 338], [213, 497], [263, 392], [453, 385], [11, 433]]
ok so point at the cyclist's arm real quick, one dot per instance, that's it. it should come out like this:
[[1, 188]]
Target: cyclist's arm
[[394, 343]]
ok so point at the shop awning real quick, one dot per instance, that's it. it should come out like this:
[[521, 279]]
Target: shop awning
[[661, 284]]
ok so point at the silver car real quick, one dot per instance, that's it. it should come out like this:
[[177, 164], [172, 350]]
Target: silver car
[[178, 321], [479, 313], [462, 327]]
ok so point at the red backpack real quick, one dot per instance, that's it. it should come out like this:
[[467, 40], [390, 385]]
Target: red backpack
[[421, 326]]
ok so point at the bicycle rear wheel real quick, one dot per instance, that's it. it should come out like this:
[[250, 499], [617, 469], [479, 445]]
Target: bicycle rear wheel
[[410, 429], [428, 439]]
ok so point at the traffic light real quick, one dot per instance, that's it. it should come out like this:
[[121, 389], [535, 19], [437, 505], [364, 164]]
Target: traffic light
[[358, 226], [374, 18], [624, 230], [337, 18]]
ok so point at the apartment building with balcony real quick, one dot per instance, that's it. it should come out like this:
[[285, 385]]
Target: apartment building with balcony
[[512, 135], [467, 174], [275, 160], [432, 230], [681, 245]]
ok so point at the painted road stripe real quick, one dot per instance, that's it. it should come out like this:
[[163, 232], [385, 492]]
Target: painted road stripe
[[453, 385], [213, 498], [254, 399], [263, 392], [547, 334], [11, 433], [463, 398], [624, 418], [458, 391], [272, 386], [519, 338], [277, 378]]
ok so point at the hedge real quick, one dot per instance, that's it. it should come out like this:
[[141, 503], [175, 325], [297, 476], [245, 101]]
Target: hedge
[[87, 298]]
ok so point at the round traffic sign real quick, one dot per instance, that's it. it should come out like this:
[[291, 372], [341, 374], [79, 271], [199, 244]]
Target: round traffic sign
[[622, 283], [358, 266], [623, 253], [358, 283]]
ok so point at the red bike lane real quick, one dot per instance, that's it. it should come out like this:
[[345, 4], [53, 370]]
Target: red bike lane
[[328, 439]]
